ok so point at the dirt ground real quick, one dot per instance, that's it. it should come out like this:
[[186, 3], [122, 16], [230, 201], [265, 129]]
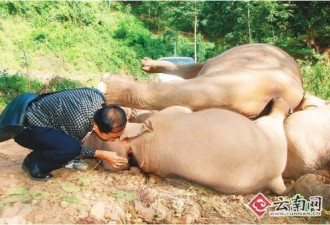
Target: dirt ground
[[99, 196]]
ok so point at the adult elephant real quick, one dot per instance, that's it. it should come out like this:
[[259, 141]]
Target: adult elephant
[[243, 79], [168, 143]]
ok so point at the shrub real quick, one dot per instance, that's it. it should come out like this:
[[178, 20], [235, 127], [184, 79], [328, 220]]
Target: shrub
[[13, 85], [60, 84], [316, 77]]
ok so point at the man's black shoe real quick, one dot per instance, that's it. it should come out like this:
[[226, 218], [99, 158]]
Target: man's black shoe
[[35, 173]]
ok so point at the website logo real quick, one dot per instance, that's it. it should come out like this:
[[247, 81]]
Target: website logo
[[259, 205], [295, 206]]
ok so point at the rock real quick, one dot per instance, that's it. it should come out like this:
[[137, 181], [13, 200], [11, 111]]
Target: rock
[[111, 189], [82, 210], [128, 217], [64, 204], [135, 170], [97, 211], [88, 194], [12, 220], [138, 221], [147, 196], [115, 211], [43, 203], [25, 210], [191, 213], [144, 212], [39, 218], [10, 211], [153, 179], [161, 211]]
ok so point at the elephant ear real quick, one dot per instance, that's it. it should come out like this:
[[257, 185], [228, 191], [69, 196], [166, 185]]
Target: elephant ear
[[93, 141], [133, 130], [310, 100], [147, 126]]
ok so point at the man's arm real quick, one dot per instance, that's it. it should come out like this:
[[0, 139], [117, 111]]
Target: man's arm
[[111, 157]]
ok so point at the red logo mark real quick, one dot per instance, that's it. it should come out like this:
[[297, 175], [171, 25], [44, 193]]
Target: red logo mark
[[259, 205]]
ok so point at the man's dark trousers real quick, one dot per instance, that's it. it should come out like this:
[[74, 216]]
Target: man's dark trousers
[[51, 149]]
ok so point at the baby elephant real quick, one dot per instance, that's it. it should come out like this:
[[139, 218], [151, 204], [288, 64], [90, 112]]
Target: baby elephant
[[308, 135], [217, 148]]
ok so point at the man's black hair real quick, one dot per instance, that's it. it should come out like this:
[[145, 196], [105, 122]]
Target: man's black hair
[[110, 118]]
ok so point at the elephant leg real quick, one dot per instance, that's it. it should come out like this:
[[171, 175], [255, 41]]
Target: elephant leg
[[247, 94], [186, 71]]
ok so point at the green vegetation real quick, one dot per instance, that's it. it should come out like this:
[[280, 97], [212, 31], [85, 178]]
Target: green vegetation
[[121, 195], [316, 77], [82, 40], [18, 194], [12, 85], [72, 38]]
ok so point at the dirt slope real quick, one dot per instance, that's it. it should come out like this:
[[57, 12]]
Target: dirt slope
[[99, 196]]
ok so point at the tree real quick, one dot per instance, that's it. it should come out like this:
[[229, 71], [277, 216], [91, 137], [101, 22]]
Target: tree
[[312, 23]]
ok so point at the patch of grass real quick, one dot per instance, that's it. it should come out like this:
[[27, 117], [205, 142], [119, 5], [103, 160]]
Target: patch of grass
[[60, 84], [75, 38], [70, 187], [125, 196], [18, 194], [316, 77], [39, 195], [71, 199], [83, 181]]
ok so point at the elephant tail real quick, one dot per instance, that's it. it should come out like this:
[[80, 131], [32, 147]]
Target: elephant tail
[[278, 187]]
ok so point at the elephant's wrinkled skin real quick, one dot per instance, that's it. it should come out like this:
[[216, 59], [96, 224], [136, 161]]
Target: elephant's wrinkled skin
[[215, 147], [243, 79]]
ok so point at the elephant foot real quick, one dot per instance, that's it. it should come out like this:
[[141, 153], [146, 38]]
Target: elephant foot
[[109, 81], [149, 65], [157, 66], [102, 87], [125, 92], [317, 184]]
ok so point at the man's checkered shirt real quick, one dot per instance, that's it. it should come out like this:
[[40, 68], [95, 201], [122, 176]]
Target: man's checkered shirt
[[70, 112]]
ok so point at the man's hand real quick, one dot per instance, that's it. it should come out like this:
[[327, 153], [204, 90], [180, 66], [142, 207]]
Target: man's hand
[[112, 158]]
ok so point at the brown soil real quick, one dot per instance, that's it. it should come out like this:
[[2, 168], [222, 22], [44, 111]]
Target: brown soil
[[99, 196]]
